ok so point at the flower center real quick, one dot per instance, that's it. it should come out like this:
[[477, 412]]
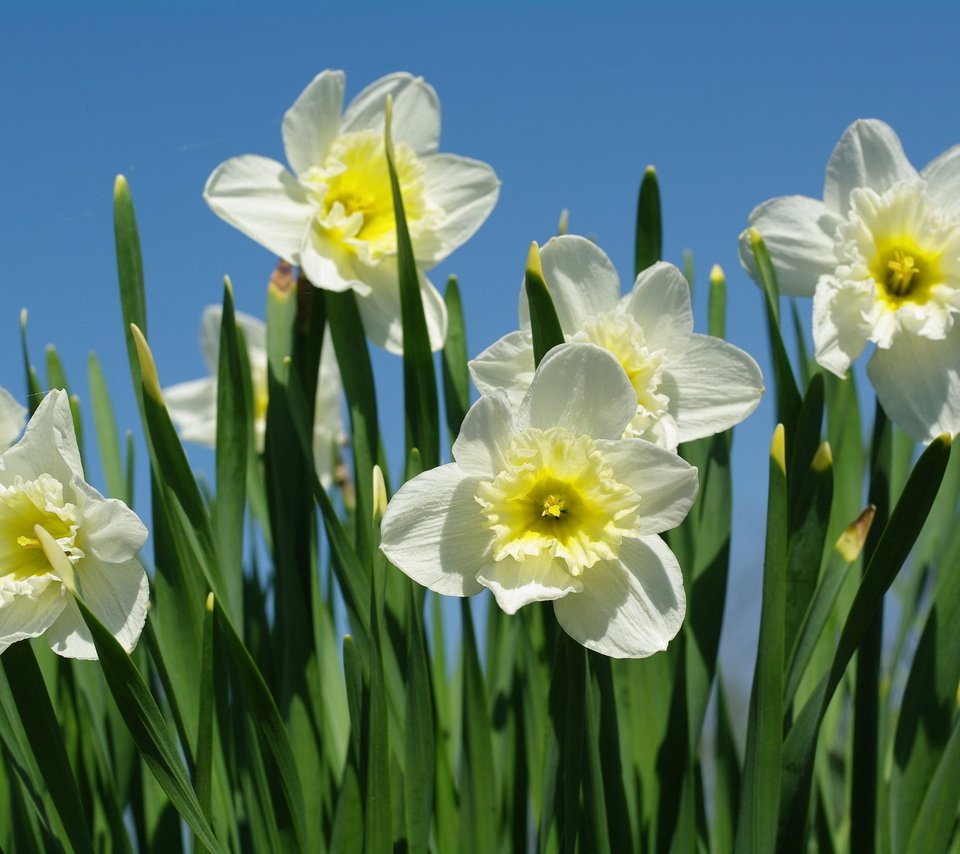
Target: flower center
[[624, 338], [23, 505], [905, 271], [558, 497], [355, 199]]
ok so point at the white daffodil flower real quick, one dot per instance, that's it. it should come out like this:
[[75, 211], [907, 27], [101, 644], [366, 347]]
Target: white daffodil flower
[[193, 405], [881, 257], [548, 502], [686, 386], [45, 503], [333, 215], [12, 418]]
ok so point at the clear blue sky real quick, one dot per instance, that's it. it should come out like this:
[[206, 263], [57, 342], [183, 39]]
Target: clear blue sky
[[568, 105]]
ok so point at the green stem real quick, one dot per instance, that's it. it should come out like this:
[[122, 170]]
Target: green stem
[[866, 709]]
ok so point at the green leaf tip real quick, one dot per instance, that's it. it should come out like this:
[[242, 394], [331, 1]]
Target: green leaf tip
[[564, 224], [650, 171], [379, 495], [823, 459], [755, 239], [209, 602], [717, 276], [534, 267], [148, 368], [778, 449], [120, 187], [850, 543], [23, 318], [228, 286]]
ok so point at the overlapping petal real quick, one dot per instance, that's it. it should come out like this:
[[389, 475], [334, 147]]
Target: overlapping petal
[[313, 122]]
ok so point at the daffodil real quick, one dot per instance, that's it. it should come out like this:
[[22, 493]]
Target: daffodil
[[333, 214], [12, 418], [686, 385], [548, 502], [193, 405], [881, 257], [58, 535]]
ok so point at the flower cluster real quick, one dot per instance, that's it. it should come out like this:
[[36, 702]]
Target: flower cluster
[[880, 254]]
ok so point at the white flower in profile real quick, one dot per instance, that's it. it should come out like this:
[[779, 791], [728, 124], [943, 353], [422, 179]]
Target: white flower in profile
[[881, 257], [548, 502], [193, 405], [45, 503], [686, 385], [333, 215], [12, 418]]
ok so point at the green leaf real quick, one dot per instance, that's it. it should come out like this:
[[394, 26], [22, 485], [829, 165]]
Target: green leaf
[[203, 772], [544, 323], [936, 822], [105, 425], [147, 726], [717, 303], [419, 381], [648, 239], [891, 551], [478, 792], [233, 418], [726, 789], [44, 735], [788, 397], [133, 302], [270, 728], [34, 390], [456, 376], [759, 804]]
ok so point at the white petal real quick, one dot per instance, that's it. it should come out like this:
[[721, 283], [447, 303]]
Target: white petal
[[49, 444], [262, 199], [466, 190], [712, 386], [416, 111], [313, 121], [254, 334], [918, 383], [329, 266], [666, 483], [24, 616], [192, 407], [581, 279], [433, 531], [660, 302], [380, 310], [117, 593], [110, 530], [629, 608], [798, 233], [507, 364], [583, 388], [516, 583], [12, 418], [943, 180], [485, 436], [839, 335], [869, 154]]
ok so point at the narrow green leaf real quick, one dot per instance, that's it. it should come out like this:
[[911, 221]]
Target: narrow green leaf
[[420, 733], [726, 789], [270, 727], [717, 303], [759, 804], [456, 376], [34, 390], [788, 397], [419, 381], [597, 834], [927, 712], [378, 815], [233, 418], [891, 551], [203, 772], [44, 735], [544, 322], [105, 425], [478, 802], [648, 239], [937, 821], [147, 726], [356, 372], [133, 302]]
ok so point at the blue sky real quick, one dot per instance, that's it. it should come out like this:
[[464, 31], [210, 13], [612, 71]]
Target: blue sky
[[732, 106]]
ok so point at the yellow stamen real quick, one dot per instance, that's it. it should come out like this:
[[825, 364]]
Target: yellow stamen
[[553, 506], [903, 268]]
